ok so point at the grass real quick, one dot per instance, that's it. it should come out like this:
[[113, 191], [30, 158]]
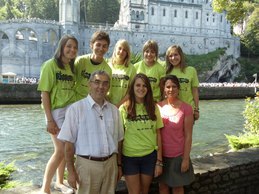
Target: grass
[[243, 141], [5, 175]]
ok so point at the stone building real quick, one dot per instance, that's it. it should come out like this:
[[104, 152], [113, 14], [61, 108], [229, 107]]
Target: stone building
[[192, 24]]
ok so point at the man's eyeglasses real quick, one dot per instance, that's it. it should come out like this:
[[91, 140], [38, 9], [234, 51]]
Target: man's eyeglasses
[[99, 82]]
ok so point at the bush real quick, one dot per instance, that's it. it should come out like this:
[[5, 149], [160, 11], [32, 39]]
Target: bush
[[251, 115], [5, 173], [250, 137]]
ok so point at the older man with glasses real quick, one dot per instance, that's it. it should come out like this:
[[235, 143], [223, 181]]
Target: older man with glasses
[[93, 131]]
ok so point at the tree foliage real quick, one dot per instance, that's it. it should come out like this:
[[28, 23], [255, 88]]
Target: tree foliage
[[98, 11], [250, 137], [11, 9], [237, 10], [250, 37], [243, 12]]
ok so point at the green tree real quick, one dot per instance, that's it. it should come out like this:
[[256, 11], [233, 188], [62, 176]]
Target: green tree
[[250, 37], [11, 9], [47, 9], [237, 10], [250, 137], [102, 11]]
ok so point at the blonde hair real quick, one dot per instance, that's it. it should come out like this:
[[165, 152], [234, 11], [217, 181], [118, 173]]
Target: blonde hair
[[169, 66], [124, 43]]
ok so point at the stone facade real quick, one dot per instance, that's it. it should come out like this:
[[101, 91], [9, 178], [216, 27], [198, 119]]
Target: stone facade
[[192, 24]]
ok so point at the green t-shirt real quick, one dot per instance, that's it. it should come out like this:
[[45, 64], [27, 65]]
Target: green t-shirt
[[188, 80], [121, 79], [140, 136], [83, 69], [58, 82], [154, 73]]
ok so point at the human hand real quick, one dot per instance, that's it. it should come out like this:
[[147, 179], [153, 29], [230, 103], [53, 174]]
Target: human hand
[[196, 115], [158, 170], [52, 128], [119, 173], [73, 179], [185, 165]]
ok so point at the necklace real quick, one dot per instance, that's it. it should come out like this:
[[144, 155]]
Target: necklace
[[99, 113]]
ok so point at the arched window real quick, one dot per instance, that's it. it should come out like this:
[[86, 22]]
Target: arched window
[[137, 15], [141, 15], [152, 11], [163, 12], [175, 13], [133, 15]]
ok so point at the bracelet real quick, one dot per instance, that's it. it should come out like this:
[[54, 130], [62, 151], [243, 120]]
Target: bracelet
[[119, 165], [50, 121], [196, 110], [159, 160], [159, 164]]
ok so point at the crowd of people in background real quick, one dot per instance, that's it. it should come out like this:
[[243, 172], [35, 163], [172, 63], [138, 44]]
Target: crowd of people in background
[[35, 80], [26, 80], [227, 84]]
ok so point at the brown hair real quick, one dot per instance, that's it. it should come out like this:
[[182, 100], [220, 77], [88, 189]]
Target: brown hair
[[169, 66], [125, 45], [100, 35], [151, 44], [148, 99], [172, 78], [60, 49]]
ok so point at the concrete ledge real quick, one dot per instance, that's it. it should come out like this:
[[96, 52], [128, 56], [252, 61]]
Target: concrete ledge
[[228, 173], [28, 94]]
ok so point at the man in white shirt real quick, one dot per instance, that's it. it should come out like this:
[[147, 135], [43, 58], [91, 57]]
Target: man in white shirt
[[93, 131]]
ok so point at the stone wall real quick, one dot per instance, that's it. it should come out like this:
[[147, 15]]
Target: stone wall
[[229, 173], [27, 93], [19, 93]]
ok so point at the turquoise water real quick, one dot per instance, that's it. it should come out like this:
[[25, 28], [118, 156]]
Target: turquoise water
[[23, 137]]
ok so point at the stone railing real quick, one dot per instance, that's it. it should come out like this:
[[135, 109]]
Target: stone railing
[[29, 20]]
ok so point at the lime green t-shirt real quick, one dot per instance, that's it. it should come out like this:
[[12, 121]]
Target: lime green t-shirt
[[83, 69], [140, 137], [188, 80], [121, 79], [58, 82], [154, 73]]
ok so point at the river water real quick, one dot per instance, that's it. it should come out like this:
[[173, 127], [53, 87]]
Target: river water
[[23, 137]]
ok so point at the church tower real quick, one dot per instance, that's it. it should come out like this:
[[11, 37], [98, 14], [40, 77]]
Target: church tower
[[69, 16], [133, 15]]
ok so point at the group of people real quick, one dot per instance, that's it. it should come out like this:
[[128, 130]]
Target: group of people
[[111, 118]]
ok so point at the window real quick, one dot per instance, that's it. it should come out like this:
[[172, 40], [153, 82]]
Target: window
[[152, 11], [197, 15], [186, 14], [175, 13], [163, 12]]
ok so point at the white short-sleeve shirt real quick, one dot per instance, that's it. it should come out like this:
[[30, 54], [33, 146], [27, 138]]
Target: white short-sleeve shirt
[[94, 130]]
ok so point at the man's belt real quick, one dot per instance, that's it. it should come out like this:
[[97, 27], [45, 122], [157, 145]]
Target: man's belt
[[96, 158]]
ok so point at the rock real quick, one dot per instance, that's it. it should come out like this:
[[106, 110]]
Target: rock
[[226, 69]]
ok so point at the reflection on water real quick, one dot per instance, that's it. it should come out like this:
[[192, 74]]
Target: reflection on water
[[25, 140]]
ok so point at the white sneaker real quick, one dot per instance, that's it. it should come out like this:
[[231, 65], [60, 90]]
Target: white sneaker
[[64, 189]]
